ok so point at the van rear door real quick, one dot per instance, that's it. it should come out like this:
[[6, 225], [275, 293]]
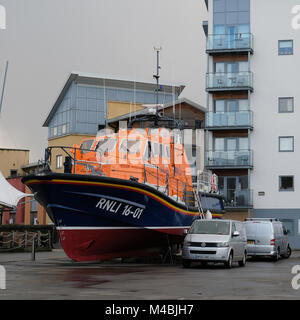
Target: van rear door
[[259, 235]]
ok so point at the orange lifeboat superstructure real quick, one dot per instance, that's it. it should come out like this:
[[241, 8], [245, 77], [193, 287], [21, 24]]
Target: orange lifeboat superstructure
[[153, 157]]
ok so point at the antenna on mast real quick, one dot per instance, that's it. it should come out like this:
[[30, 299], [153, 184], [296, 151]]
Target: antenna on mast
[[157, 76]]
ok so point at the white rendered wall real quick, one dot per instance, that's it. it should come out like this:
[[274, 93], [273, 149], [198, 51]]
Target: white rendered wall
[[274, 76]]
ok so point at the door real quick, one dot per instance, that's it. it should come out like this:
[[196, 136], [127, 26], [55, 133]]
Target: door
[[279, 236], [231, 150], [231, 31], [231, 190], [235, 242]]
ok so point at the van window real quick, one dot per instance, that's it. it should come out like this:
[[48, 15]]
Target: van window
[[210, 227], [254, 228], [233, 227]]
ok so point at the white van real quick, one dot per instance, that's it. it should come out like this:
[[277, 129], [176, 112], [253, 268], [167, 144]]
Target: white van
[[215, 241], [267, 237]]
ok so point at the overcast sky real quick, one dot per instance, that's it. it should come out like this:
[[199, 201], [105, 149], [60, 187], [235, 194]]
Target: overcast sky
[[46, 40]]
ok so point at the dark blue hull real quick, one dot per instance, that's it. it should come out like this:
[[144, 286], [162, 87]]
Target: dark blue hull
[[90, 212]]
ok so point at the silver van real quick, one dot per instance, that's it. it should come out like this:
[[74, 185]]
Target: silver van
[[215, 241], [267, 237]]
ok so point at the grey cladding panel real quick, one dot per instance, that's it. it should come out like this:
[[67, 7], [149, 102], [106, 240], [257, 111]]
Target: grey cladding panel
[[219, 6], [232, 5], [244, 5], [232, 18]]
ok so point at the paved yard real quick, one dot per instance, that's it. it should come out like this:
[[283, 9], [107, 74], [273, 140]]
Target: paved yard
[[54, 276]]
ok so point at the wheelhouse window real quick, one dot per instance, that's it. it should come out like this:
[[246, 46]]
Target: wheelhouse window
[[131, 146], [286, 183], [86, 146], [285, 47], [106, 145]]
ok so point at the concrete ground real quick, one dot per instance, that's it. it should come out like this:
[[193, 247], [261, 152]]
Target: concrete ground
[[55, 276]]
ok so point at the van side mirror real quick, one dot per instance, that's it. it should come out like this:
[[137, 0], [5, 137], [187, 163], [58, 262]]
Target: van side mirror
[[235, 234]]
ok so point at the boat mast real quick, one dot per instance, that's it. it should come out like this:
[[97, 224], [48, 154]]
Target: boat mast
[[3, 86], [157, 76]]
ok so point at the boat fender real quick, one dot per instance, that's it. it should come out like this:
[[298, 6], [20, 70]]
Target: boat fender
[[208, 215]]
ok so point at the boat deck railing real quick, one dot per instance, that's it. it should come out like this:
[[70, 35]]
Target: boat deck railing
[[153, 175]]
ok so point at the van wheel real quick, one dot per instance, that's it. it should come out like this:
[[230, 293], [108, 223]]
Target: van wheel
[[288, 252], [242, 263], [276, 256], [228, 263], [186, 263]]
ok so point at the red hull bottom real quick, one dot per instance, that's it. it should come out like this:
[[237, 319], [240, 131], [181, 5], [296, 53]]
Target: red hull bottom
[[103, 244]]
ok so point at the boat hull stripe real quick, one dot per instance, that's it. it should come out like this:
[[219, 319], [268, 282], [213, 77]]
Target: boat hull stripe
[[152, 195]]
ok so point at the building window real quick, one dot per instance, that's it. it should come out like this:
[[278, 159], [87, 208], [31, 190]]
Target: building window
[[289, 226], [286, 183], [12, 217], [285, 105], [286, 144], [231, 144], [285, 47], [13, 173], [55, 131], [33, 212], [198, 124], [59, 162], [64, 129], [236, 105]]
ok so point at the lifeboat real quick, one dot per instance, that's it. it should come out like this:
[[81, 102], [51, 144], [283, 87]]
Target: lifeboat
[[125, 194]]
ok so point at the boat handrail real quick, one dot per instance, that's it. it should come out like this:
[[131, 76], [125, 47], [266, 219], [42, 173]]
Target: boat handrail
[[184, 192]]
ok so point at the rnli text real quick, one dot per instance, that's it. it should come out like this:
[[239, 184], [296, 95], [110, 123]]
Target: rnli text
[[119, 207]]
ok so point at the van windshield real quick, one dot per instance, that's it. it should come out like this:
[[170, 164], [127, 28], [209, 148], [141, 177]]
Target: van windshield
[[210, 227]]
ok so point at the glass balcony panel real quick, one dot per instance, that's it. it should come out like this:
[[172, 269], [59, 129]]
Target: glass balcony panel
[[227, 42], [237, 198], [242, 158], [229, 119], [223, 81]]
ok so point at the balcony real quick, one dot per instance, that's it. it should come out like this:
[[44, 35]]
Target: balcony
[[229, 81], [229, 120], [237, 199], [222, 43], [242, 159]]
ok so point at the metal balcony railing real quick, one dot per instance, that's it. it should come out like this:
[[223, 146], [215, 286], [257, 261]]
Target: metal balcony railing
[[241, 119], [229, 81], [234, 198], [229, 159], [239, 42]]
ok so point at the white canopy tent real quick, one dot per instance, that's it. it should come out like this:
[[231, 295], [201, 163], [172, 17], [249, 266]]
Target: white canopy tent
[[9, 195]]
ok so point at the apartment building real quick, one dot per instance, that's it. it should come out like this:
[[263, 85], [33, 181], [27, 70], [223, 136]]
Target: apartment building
[[252, 96]]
